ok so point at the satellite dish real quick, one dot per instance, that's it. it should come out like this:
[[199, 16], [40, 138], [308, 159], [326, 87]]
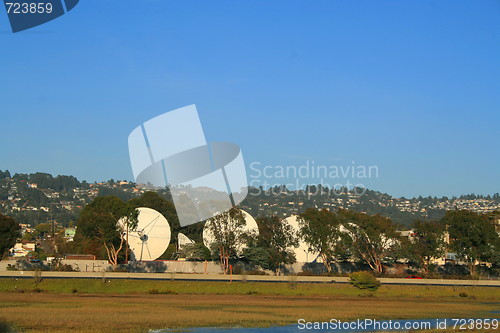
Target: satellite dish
[[250, 227], [183, 240], [151, 237]]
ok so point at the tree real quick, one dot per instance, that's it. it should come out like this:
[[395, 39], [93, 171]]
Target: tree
[[43, 229], [99, 228], [62, 246], [494, 217], [33, 197], [228, 233], [372, 238], [10, 231], [154, 201], [257, 255], [4, 174], [320, 229], [196, 252], [105, 191], [29, 237], [472, 236], [271, 248], [426, 243]]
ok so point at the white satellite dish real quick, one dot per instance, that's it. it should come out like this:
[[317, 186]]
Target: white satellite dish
[[151, 237], [183, 240], [302, 253], [250, 227]]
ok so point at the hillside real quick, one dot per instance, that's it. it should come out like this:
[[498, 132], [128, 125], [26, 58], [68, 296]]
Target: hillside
[[40, 197]]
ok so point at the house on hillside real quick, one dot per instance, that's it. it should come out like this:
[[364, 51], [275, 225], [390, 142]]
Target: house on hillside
[[22, 249]]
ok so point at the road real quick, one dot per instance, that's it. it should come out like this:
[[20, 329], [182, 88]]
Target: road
[[252, 278]]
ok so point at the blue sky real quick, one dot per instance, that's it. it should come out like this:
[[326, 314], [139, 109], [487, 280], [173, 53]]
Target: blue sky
[[409, 86]]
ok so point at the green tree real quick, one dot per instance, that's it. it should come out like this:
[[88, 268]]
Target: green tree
[[196, 252], [105, 191], [275, 239], [43, 229], [99, 228], [227, 231], [29, 237], [257, 255], [320, 229], [10, 231], [33, 196], [4, 174], [494, 217], [62, 246], [472, 236], [154, 201], [371, 238], [426, 243]]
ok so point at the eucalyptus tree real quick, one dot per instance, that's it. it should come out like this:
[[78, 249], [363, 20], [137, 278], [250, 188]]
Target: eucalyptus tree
[[227, 232], [426, 243], [102, 225], [321, 231], [372, 238], [472, 236], [271, 248]]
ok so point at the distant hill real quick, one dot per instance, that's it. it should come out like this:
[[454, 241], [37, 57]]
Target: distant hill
[[40, 197]]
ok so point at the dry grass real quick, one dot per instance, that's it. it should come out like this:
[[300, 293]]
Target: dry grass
[[138, 312]]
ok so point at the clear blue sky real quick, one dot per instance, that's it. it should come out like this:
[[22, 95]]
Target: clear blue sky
[[409, 86]]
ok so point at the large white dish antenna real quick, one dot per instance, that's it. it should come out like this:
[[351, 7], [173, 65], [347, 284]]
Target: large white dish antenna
[[151, 237], [183, 240], [250, 227]]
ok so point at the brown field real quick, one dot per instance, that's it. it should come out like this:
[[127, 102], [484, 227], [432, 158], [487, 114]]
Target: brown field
[[137, 312]]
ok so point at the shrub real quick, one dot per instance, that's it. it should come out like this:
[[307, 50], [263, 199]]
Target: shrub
[[65, 268], [196, 252], [364, 280], [168, 292], [256, 272], [164, 292], [5, 328], [11, 267]]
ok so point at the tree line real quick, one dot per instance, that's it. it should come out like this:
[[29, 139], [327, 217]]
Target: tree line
[[335, 236]]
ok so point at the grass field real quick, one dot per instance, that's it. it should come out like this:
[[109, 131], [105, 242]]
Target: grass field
[[82, 305]]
